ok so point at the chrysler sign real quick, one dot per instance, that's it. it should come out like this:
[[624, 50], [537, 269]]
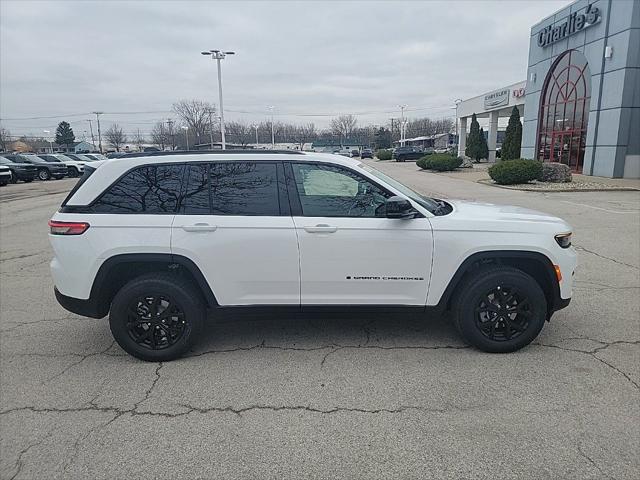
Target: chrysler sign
[[496, 99], [574, 23]]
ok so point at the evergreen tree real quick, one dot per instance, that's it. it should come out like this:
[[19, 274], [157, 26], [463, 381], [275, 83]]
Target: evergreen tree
[[484, 147], [64, 134], [513, 137], [473, 148]]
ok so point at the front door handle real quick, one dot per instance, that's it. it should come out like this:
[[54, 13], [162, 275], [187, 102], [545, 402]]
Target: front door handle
[[321, 228], [200, 227]]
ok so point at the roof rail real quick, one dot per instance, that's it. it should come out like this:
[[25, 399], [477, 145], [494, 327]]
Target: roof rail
[[206, 152]]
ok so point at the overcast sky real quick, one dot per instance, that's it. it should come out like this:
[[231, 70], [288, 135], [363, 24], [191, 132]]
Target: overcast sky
[[72, 57]]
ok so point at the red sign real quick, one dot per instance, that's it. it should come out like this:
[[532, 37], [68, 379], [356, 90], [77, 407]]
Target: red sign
[[518, 92]]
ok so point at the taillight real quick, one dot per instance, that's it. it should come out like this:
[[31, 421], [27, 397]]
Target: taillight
[[67, 228]]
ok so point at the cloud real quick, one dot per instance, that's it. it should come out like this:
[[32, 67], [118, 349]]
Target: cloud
[[303, 57]]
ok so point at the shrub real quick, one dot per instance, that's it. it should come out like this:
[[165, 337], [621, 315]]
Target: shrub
[[554, 172], [511, 172], [384, 154], [441, 162]]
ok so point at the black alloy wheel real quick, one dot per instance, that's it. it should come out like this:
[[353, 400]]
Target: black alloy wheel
[[503, 313], [155, 322], [43, 174]]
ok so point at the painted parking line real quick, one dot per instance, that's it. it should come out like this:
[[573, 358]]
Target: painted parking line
[[600, 208]]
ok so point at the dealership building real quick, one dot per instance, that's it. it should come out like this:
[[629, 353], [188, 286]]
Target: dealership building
[[580, 103]]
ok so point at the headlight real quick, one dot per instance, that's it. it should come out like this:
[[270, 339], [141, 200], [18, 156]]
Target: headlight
[[564, 239]]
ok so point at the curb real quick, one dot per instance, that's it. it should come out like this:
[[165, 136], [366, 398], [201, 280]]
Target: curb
[[545, 190]]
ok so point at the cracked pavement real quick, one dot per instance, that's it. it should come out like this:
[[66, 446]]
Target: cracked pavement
[[378, 397]]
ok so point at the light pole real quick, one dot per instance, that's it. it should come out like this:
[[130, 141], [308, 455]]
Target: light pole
[[402, 125], [93, 143], [273, 138], [50, 142], [457, 101], [99, 135], [218, 55], [256, 128], [186, 134]]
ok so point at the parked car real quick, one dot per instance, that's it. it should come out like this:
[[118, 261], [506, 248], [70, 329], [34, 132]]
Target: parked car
[[161, 246], [366, 153], [345, 152], [19, 171], [116, 154], [402, 154], [74, 167], [44, 170], [5, 175], [355, 153], [78, 157], [95, 156]]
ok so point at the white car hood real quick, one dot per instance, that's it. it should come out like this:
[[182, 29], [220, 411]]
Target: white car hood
[[509, 217]]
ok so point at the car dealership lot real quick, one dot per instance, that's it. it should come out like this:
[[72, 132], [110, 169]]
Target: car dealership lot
[[376, 397]]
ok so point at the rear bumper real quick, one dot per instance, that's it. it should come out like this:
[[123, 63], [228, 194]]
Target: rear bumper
[[86, 308]]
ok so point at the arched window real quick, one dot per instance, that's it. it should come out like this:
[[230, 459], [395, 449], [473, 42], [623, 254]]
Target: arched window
[[564, 111]]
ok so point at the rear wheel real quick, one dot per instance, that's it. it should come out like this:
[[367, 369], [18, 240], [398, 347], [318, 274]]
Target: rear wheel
[[499, 309], [157, 317], [43, 174]]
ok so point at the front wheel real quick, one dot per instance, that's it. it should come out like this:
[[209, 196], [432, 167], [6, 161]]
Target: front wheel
[[72, 172], [157, 317], [499, 309], [44, 174]]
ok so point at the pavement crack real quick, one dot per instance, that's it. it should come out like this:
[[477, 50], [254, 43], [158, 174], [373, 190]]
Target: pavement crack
[[79, 361], [590, 460], [593, 353], [147, 394], [381, 347], [582, 249], [19, 462]]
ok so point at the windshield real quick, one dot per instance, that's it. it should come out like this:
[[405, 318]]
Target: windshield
[[29, 159], [5, 161], [49, 158], [429, 203], [63, 158]]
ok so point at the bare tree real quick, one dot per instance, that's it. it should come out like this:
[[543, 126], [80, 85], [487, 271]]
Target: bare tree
[[240, 132], [5, 138], [343, 126], [196, 115], [305, 134], [115, 136], [159, 135], [139, 140]]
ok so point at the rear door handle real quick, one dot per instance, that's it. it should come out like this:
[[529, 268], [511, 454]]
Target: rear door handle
[[200, 227], [321, 228]]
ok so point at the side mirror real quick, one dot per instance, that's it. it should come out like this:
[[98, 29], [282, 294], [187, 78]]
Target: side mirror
[[398, 207]]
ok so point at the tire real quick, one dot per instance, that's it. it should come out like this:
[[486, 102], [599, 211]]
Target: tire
[[3, 184], [72, 172], [152, 296], [499, 309], [43, 174], [14, 179]]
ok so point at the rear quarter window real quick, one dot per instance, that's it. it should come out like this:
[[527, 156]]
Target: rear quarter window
[[154, 189]]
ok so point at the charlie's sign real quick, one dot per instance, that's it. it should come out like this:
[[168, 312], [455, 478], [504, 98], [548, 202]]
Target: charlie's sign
[[573, 24], [496, 99]]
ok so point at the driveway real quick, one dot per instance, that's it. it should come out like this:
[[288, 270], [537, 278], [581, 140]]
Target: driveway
[[327, 397]]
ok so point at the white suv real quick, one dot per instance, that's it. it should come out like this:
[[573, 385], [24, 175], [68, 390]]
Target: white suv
[[158, 241]]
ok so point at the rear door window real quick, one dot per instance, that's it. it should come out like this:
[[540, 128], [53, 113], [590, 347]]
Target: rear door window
[[244, 188], [147, 190]]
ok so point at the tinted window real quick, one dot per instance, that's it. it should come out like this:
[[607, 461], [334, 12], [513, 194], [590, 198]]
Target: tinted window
[[151, 189], [196, 199], [244, 188], [331, 191]]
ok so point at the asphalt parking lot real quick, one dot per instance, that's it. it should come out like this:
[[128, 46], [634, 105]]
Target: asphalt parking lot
[[327, 398]]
